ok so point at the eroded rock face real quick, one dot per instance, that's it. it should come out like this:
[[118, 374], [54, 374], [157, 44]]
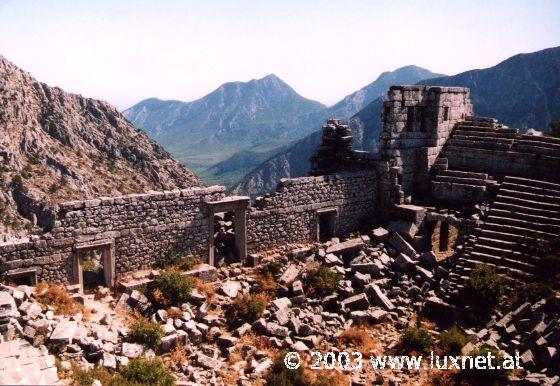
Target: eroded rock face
[[56, 146]]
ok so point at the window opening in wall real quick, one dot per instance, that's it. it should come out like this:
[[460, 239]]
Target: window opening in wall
[[409, 118], [326, 224], [224, 238], [422, 116], [22, 277], [446, 113]]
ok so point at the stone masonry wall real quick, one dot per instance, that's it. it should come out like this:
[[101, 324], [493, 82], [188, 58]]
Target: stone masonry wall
[[290, 214], [142, 227]]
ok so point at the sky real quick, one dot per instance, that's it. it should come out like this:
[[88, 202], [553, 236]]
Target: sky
[[124, 51]]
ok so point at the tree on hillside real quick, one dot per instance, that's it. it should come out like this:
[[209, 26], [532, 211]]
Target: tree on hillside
[[554, 129]]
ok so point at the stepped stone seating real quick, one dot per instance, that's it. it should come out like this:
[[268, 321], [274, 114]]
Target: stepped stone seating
[[455, 186], [524, 212]]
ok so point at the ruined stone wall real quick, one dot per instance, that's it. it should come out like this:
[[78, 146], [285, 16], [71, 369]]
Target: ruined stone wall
[[290, 214], [142, 228], [417, 121]]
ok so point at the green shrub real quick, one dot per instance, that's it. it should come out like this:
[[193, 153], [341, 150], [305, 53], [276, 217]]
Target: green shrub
[[147, 372], [179, 261], [138, 372], [272, 268], [246, 309], [280, 375], [88, 265], [321, 281], [484, 289], [452, 341], [145, 332], [170, 288], [549, 265], [486, 376], [416, 340], [83, 377]]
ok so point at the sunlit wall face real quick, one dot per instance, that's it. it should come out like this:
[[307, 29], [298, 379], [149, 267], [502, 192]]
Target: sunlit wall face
[[130, 50]]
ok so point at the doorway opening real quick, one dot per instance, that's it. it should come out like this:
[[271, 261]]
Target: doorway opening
[[326, 224], [224, 238], [227, 229], [92, 269], [94, 265]]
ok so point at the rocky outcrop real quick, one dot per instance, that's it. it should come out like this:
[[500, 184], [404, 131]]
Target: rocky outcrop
[[56, 146]]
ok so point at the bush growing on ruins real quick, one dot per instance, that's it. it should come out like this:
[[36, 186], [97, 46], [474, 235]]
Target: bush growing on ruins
[[147, 372], [484, 289], [84, 377], [174, 287], [280, 375], [549, 265], [58, 297], [145, 332], [321, 281], [452, 341], [487, 376], [272, 268], [246, 309], [417, 340]]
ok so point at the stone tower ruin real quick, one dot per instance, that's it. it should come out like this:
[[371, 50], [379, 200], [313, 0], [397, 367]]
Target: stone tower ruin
[[417, 121]]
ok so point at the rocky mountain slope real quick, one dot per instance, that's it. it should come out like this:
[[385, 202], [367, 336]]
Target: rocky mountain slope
[[522, 91], [236, 116], [56, 146]]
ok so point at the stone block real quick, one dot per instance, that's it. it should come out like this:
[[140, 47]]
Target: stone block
[[377, 297], [356, 302], [64, 332], [346, 248], [402, 245], [380, 235]]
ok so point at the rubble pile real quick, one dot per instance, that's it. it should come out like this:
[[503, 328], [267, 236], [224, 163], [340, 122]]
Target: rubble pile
[[382, 281]]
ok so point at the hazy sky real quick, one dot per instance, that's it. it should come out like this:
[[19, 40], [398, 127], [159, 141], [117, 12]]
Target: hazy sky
[[128, 50]]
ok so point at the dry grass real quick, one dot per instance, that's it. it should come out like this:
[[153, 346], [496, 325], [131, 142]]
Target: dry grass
[[328, 378], [267, 284], [58, 297], [204, 287], [359, 338], [174, 312], [159, 297], [177, 357]]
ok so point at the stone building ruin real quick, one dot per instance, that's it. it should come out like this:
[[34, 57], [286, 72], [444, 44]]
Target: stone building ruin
[[435, 156]]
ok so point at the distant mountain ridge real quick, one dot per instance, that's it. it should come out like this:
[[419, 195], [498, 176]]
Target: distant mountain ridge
[[235, 116], [522, 91], [227, 133]]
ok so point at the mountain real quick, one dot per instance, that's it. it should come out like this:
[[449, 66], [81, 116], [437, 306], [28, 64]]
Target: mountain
[[56, 146], [229, 132], [236, 116], [522, 91], [294, 160]]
